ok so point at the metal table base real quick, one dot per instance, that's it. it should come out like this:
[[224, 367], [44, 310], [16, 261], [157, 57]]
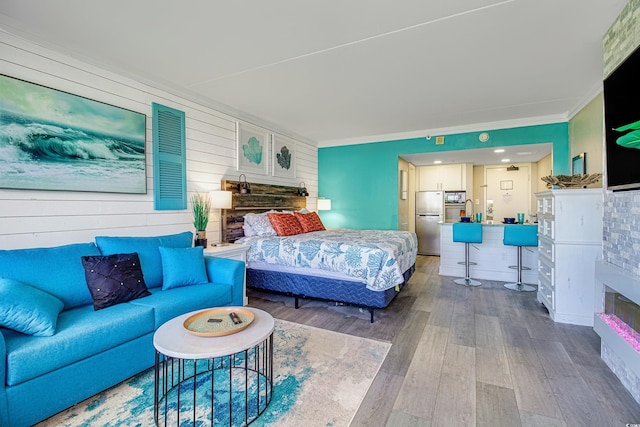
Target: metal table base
[[235, 388]]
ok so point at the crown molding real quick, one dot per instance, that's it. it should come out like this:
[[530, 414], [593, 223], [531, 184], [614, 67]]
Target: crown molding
[[475, 127], [591, 95]]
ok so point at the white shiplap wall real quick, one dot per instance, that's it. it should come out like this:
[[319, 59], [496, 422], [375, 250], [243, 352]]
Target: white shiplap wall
[[49, 218]]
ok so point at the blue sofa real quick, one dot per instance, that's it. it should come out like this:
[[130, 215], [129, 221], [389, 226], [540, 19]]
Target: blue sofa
[[65, 358]]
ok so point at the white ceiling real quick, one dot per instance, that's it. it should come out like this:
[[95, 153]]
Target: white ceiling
[[512, 154], [338, 71]]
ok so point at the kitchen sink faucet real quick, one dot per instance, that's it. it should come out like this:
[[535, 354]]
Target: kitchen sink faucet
[[472, 209]]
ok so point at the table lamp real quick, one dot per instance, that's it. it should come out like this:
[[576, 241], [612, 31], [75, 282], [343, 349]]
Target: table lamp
[[221, 199], [324, 204]]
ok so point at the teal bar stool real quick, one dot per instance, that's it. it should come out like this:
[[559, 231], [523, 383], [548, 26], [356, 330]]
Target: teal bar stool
[[520, 236], [467, 233]]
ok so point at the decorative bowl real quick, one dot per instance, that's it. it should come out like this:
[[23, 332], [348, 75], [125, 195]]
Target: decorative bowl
[[465, 219], [571, 181], [509, 220]]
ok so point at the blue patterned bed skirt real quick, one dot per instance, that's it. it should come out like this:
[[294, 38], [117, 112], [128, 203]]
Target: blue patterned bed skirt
[[322, 288]]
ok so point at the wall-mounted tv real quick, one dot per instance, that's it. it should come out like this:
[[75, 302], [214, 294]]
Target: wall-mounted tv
[[622, 124]]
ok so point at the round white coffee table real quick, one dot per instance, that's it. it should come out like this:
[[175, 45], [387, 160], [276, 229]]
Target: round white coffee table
[[213, 379]]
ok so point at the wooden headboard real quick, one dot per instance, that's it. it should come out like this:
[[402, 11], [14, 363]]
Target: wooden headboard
[[263, 197]]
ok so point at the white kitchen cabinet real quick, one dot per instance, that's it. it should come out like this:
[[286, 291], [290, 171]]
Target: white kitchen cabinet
[[451, 177], [428, 178], [442, 177], [569, 244]]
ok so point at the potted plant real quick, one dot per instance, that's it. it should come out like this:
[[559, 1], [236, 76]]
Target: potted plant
[[201, 204]]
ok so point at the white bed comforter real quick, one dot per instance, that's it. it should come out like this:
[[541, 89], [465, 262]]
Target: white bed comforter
[[377, 257]]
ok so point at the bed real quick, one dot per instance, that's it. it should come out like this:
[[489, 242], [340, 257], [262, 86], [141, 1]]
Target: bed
[[364, 268]]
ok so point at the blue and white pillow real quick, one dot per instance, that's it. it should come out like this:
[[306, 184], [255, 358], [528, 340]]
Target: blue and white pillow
[[248, 231], [260, 224]]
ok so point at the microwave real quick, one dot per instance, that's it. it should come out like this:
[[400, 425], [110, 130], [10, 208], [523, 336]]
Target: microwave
[[455, 197]]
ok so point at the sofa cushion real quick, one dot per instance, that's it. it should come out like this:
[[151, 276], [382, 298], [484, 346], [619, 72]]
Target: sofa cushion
[[183, 267], [57, 271], [147, 250], [114, 279], [81, 333], [26, 309], [228, 271], [174, 302]]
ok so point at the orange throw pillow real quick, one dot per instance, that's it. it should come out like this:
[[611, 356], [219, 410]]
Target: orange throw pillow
[[285, 224], [309, 222]]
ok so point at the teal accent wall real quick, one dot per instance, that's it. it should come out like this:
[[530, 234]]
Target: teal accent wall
[[362, 179]]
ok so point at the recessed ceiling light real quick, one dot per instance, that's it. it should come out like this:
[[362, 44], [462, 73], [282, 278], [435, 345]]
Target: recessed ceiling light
[[437, 162], [505, 160], [525, 153], [499, 150]]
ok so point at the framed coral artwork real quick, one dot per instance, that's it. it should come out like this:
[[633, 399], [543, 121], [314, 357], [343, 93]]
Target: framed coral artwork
[[284, 157], [251, 149]]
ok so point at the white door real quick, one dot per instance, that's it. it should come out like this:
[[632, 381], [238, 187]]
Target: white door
[[508, 192]]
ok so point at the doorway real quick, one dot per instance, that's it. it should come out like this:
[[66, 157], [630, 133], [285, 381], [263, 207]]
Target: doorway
[[508, 191]]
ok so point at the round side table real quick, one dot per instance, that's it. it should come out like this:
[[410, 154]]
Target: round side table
[[213, 380]]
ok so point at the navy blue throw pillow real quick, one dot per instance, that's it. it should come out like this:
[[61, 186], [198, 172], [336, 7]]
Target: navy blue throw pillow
[[114, 279]]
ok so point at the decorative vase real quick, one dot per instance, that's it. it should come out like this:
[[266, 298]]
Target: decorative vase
[[201, 238]]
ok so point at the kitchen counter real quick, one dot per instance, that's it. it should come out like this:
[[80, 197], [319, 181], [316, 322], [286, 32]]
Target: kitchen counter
[[499, 224], [492, 256]]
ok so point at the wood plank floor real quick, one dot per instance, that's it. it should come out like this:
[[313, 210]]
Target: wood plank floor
[[482, 356]]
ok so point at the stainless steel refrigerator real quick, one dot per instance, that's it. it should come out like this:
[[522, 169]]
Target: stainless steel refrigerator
[[429, 218]]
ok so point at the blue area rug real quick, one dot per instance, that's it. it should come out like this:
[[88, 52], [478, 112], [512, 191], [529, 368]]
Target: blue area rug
[[320, 379]]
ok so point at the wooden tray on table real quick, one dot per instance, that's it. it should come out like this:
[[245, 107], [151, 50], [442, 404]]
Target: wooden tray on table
[[216, 322]]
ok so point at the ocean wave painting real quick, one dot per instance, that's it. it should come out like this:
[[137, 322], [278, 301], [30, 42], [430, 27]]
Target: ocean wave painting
[[53, 140]]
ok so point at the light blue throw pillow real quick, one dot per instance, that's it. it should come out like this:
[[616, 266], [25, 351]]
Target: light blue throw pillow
[[147, 250], [28, 310], [183, 267]]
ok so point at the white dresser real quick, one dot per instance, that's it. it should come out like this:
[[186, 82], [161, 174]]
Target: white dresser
[[232, 251], [569, 244]]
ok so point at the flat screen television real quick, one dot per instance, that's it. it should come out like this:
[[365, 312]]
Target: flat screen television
[[622, 124]]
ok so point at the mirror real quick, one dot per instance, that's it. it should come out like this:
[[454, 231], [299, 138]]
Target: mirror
[[579, 164]]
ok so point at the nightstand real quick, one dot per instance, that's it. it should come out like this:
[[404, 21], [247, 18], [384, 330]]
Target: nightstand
[[231, 251]]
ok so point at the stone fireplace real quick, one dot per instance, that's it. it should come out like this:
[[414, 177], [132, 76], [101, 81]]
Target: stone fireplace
[[617, 321]]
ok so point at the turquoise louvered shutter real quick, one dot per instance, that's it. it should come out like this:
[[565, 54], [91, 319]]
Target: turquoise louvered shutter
[[169, 158]]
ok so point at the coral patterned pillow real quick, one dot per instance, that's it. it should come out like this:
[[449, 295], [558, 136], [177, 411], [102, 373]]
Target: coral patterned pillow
[[285, 224], [309, 222]]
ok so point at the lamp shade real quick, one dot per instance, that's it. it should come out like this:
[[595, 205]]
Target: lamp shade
[[324, 204], [221, 199]]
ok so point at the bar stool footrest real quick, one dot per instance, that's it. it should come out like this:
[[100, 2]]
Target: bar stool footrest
[[467, 282], [515, 267], [521, 287]]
